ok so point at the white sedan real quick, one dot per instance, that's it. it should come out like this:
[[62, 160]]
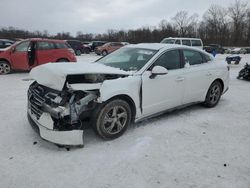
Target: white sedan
[[133, 83]]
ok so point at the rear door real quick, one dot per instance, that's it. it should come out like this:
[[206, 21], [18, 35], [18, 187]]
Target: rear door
[[19, 56], [45, 52], [198, 76]]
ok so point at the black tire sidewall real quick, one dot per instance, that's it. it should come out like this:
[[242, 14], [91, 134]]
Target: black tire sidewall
[[207, 102], [99, 118]]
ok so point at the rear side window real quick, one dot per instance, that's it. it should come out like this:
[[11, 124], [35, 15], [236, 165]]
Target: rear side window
[[170, 60], [60, 45], [45, 45], [186, 42], [192, 57], [196, 43], [177, 42]]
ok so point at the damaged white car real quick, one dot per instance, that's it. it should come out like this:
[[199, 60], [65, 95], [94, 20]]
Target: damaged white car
[[134, 82]]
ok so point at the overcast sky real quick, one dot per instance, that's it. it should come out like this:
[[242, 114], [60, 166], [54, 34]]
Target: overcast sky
[[95, 16]]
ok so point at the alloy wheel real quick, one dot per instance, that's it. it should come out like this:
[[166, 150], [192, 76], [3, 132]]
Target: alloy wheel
[[115, 120], [215, 93], [4, 68]]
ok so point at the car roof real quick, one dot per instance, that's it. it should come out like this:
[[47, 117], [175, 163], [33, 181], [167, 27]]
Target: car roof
[[44, 39], [158, 46], [182, 38]]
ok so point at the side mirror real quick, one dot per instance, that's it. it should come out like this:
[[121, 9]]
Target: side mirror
[[158, 70], [13, 50]]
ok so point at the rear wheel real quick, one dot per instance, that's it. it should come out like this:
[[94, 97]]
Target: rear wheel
[[87, 50], [213, 95], [112, 119], [4, 67]]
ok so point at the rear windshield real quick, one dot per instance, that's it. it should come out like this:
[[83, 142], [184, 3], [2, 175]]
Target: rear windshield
[[196, 43]]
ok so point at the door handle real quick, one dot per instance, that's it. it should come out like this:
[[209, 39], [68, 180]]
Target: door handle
[[179, 79]]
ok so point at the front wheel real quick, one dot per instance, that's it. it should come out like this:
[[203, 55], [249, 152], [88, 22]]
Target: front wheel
[[112, 119], [213, 95], [104, 52], [4, 67]]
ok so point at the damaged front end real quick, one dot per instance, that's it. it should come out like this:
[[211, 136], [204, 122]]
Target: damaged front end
[[58, 115]]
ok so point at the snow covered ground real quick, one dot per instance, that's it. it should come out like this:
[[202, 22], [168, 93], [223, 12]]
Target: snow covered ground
[[194, 147]]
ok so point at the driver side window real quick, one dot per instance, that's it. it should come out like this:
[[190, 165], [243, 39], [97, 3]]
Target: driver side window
[[170, 60], [22, 47]]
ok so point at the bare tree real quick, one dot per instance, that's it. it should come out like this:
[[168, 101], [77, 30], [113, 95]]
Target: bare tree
[[184, 23], [216, 24], [238, 14]]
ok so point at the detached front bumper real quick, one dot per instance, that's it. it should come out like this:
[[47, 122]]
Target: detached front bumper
[[45, 129]]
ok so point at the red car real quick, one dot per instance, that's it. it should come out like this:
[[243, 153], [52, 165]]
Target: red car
[[29, 53]]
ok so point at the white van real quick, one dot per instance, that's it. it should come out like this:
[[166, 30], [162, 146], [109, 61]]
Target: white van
[[194, 42]]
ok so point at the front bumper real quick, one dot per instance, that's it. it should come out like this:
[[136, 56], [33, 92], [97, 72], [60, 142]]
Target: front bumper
[[44, 127]]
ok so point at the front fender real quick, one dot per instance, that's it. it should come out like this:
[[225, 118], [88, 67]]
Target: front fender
[[129, 86]]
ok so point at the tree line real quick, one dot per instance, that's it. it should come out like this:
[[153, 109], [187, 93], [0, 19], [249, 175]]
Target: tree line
[[228, 26]]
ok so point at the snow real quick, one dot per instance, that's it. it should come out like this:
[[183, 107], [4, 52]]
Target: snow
[[193, 147]]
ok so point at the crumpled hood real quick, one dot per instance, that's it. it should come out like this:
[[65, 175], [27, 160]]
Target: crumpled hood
[[53, 75]]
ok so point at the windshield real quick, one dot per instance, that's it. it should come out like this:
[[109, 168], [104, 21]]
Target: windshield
[[128, 59], [168, 41]]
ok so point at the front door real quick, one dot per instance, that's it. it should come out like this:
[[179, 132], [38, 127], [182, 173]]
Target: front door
[[164, 91], [19, 56]]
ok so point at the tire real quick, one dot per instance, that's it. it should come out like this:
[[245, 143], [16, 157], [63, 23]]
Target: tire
[[112, 119], [78, 52], [87, 50], [104, 52], [5, 67], [213, 95], [237, 62], [63, 60]]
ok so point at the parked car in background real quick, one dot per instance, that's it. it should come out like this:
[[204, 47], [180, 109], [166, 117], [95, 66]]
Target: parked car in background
[[227, 50], [77, 46], [194, 42], [4, 43], [214, 48], [94, 44], [108, 48], [235, 58], [29, 53], [239, 51], [247, 50], [126, 86]]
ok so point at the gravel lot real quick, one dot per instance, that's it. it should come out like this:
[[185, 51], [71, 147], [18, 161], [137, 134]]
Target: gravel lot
[[193, 147]]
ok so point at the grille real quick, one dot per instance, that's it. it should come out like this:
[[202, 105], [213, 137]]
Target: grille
[[36, 100]]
